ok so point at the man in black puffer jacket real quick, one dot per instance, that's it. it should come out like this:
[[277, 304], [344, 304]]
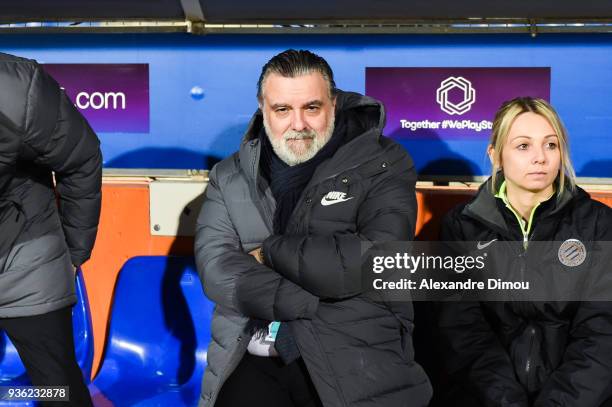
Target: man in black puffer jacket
[[313, 181], [43, 135]]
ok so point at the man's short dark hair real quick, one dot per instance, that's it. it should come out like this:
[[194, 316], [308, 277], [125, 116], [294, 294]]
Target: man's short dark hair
[[292, 63]]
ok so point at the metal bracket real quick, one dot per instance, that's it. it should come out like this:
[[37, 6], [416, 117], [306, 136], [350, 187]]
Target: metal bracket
[[533, 28], [194, 16]]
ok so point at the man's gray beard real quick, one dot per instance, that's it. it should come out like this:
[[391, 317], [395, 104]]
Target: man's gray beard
[[282, 150]]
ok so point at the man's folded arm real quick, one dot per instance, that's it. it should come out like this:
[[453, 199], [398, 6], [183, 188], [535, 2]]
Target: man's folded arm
[[233, 278], [331, 266]]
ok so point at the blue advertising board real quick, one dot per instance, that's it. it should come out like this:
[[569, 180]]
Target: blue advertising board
[[202, 88]]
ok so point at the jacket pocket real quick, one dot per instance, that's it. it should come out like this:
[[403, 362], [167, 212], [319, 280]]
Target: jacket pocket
[[529, 359], [12, 222]]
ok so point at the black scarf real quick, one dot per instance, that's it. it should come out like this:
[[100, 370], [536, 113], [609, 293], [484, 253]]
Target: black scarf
[[288, 182]]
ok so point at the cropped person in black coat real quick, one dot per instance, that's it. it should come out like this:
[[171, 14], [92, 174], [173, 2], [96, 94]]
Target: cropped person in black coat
[[42, 135]]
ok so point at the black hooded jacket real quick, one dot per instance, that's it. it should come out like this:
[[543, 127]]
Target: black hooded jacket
[[528, 353], [42, 134], [358, 351]]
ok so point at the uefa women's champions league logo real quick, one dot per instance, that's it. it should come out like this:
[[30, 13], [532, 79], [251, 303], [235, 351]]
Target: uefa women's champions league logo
[[458, 82], [572, 253]]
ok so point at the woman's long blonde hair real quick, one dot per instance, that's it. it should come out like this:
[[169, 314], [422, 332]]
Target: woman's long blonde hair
[[504, 118]]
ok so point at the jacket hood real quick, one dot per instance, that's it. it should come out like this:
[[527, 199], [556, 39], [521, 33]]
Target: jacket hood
[[484, 205], [368, 112]]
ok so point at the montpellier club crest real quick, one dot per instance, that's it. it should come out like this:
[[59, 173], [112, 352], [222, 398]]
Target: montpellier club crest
[[572, 253]]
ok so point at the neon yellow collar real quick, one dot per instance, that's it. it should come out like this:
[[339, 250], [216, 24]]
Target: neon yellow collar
[[525, 226]]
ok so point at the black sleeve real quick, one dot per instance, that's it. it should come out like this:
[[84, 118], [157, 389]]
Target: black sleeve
[[330, 266], [64, 142], [471, 351], [233, 278]]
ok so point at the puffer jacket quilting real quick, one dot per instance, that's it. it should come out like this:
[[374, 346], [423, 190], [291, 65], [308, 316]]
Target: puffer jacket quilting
[[41, 132]]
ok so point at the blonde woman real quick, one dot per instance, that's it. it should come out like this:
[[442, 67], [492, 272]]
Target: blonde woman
[[528, 353]]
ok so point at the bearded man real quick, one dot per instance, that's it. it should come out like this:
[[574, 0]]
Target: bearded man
[[278, 249]]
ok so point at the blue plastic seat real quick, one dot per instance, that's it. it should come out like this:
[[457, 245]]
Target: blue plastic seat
[[12, 371], [158, 337]]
